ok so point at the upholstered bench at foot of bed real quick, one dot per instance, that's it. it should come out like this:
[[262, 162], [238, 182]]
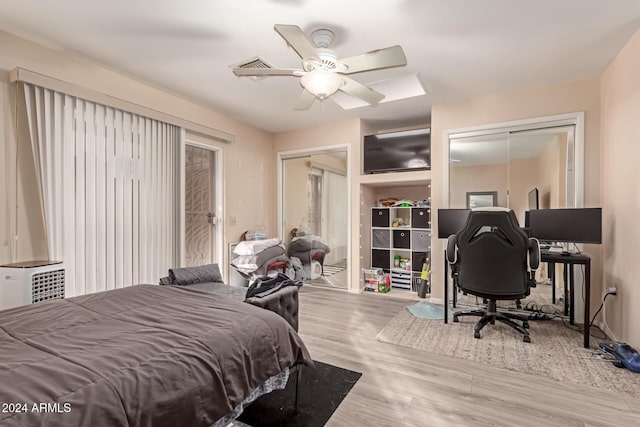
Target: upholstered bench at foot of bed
[[284, 302]]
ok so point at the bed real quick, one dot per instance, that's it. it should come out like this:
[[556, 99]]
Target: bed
[[140, 356]]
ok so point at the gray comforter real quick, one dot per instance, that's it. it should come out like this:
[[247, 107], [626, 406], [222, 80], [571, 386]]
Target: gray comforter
[[139, 356]]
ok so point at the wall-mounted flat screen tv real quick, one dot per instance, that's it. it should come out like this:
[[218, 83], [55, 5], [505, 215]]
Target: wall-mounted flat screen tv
[[398, 151]]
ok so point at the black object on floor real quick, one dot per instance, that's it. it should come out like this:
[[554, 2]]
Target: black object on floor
[[322, 389]]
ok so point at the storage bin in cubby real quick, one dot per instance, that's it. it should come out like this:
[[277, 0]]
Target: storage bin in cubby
[[402, 239], [380, 217], [419, 258], [421, 240], [380, 258], [421, 217], [380, 238]]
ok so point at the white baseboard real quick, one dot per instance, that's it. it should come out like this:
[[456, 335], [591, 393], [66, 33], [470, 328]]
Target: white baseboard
[[437, 301], [606, 330]]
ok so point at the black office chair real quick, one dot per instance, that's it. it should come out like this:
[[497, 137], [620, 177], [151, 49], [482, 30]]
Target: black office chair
[[492, 258]]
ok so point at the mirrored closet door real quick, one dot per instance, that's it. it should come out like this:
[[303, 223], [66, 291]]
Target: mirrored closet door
[[314, 213], [521, 170]]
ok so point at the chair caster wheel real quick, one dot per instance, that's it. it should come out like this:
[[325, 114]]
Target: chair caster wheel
[[525, 325], [455, 319], [476, 334], [526, 338]]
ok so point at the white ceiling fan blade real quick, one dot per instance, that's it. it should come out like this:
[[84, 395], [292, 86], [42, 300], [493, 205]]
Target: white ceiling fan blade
[[267, 72], [294, 36], [376, 59], [361, 91], [305, 100]]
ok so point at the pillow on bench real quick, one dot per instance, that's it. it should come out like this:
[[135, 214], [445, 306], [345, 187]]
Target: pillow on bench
[[190, 275]]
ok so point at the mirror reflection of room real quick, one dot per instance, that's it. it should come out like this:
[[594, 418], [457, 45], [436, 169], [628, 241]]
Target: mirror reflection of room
[[315, 217], [525, 170]]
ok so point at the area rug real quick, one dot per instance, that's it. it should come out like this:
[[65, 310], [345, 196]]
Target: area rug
[[555, 351], [322, 389]]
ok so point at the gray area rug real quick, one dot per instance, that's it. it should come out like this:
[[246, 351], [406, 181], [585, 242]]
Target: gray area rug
[[555, 351]]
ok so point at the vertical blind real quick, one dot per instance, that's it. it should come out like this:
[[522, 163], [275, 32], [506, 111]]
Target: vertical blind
[[109, 186]]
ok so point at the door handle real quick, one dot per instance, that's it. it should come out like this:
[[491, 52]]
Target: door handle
[[210, 218]]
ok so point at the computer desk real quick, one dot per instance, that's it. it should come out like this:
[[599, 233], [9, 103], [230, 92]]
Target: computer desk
[[552, 258], [569, 261]]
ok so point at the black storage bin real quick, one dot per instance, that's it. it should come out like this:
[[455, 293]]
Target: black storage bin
[[421, 217], [419, 258], [402, 239], [380, 258], [380, 217]]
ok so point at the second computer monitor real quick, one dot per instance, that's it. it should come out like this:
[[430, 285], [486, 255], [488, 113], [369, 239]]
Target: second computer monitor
[[567, 225], [450, 221]]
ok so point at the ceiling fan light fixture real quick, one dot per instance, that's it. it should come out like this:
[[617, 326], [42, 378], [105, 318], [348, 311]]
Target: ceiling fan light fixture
[[322, 37], [322, 83]]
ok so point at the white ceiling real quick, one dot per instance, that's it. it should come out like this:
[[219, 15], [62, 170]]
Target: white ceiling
[[460, 48]]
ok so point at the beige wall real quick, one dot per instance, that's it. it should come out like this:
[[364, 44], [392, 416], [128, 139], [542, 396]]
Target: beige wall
[[620, 93], [565, 98], [249, 169], [475, 179]]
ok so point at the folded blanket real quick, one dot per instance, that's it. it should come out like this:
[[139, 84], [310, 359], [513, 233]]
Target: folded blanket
[[263, 286], [191, 275], [254, 247], [253, 262]]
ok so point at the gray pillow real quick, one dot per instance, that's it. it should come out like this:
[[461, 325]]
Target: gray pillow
[[190, 275]]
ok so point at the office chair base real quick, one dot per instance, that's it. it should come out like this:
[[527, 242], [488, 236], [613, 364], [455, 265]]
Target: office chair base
[[491, 315]]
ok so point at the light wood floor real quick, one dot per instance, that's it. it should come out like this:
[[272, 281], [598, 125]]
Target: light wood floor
[[406, 387]]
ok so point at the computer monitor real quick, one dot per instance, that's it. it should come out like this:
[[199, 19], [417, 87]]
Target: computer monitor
[[450, 221], [567, 225], [534, 199]]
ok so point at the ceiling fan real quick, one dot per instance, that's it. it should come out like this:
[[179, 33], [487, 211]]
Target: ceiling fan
[[322, 73]]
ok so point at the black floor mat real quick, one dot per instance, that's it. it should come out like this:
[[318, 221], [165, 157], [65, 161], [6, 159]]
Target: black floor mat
[[322, 389]]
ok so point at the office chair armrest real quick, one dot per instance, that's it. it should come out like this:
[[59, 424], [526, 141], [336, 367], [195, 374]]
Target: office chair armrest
[[452, 250], [534, 253]]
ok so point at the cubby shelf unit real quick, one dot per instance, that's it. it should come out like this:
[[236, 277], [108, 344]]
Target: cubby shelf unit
[[403, 232]]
